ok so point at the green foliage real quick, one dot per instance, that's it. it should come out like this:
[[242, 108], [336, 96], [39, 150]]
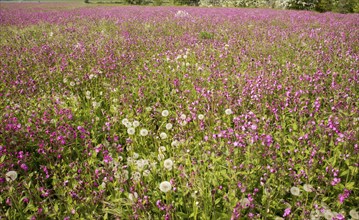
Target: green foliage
[[324, 5], [206, 35], [302, 4], [157, 2], [345, 6]]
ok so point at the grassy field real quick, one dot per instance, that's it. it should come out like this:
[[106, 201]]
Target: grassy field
[[177, 113]]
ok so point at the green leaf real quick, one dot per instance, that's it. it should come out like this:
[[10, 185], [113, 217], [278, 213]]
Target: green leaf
[[56, 207], [350, 185], [295, 127], [182, 215], [217, 201], [344, 173]]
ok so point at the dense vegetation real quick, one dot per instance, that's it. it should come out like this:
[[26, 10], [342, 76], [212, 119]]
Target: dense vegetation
[[177, 113]]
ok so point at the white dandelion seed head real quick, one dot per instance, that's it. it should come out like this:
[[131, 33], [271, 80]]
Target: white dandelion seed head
[[163, 135], [183, 123], [328, 214], [11, 176], [140, 164], [308, 188], [124, 121], [132, 196], [228, 111], [162, 149], [136, 124], [160, 156], [165, 113], [165, 186], [168, 163], [146, 173], [314, 215], [136, 176], [175, 143], [131, 131], [245, 202], [354, 214], [200, 117], [128, 125], [143, 132], [295, 191], [125, 174], [169, 126]]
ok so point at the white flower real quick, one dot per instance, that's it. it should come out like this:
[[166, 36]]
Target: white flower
[[51, 34], [143, 132], [65, 80], [200, 117], [314, 215], [128, 124], [95, 104], [88, 93], [160, 156], [228, 111], [124, 121], [163, 135], [169, 126], [136, 176], [183, 123], [140, 164], [308, 188], [175, 143], [91, 76], [136, 124], [165, 186], [161, 149], [130, 131], [295, 191], [165, 113], [168, 163], [146, 173], [183, 116], [354, 214], [245, 202], [328, 214], [148, 109], [132, 196], [125, 174], [11, 176], [181, 14], [72, 83], [135, 155]]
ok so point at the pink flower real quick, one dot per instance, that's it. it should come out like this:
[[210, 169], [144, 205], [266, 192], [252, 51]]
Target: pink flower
[[287, 212]]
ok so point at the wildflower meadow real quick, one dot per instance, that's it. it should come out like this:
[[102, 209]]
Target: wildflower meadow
[[142, 112]]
